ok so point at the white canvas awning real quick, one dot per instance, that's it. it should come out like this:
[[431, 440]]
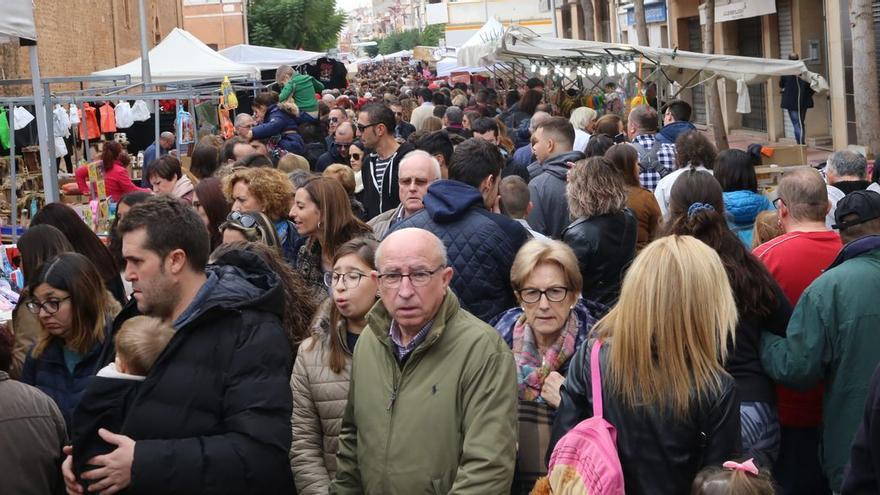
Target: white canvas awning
[[267, 57], [518, 44], [449, 65], [182, 56], [393, 56], [17, 21]]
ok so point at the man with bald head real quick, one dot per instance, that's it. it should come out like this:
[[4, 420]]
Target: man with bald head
[[432, 402], [338, 152], [334, 118], [418, 170]]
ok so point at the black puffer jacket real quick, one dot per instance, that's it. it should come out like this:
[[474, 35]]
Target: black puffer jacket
[[659, 455], [604, 245], [213, 415]]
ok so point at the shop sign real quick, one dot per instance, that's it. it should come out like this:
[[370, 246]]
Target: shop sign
[[654, 12], [731, 10]]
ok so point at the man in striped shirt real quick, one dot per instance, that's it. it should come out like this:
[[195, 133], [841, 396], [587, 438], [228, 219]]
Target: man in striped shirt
[[375, 127]]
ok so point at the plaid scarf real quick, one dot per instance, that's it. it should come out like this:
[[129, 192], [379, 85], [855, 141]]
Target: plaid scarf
[[533, 368]]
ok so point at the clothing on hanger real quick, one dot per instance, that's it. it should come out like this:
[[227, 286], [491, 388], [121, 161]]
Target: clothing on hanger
[[124, 115], [22, 118], [90, 121], [139, 111], [74, 114], [108, 118], [60, 122], [4, 128]]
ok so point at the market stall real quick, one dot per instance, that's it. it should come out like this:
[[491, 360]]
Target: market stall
[[269, 58]]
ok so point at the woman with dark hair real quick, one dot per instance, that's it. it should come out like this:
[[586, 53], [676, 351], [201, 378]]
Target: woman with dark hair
[[274, 121], [205, 160], [611, 125], [625, 160], [696, 208], [167, 177], [37, 244], [212, 206], [322, 369], [298, 306], [322, 213], [84, 242], [115, 246], [76, 316], [603, 234], [598, 145], [116, 179], [470, 116], [735, 172]]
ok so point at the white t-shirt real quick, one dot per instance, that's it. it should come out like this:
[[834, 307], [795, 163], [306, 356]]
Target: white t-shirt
[[664, 187]]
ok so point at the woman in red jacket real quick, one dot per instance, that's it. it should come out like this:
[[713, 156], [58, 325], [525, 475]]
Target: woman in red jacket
[[117, 182]]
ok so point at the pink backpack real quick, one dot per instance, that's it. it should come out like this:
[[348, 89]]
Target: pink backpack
[[585, 459]]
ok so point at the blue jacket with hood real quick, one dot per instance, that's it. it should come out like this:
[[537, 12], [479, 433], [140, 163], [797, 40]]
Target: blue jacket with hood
[[742, 209], [670, 132], [480, 245], [277, 122]]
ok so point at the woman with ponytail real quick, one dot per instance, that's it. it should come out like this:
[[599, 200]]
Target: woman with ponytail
[[696, 208]]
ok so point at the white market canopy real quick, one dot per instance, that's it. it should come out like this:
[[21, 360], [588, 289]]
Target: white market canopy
[[521, 45], [17, 21], [448, 65], [182, 56], [394, 56], [267, 57]]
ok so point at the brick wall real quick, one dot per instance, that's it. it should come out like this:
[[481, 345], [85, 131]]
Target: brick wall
[[77, 37]]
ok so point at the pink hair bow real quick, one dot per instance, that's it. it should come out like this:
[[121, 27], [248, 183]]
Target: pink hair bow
[[747, 466]]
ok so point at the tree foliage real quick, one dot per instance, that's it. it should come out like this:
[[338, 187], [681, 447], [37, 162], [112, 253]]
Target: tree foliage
[[307, 24], [407, 40]]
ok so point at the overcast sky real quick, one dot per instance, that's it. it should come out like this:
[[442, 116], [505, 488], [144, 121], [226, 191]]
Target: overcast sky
[[349, 5]]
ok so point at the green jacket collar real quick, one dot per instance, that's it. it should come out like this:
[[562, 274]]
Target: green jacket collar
[[379, 320]]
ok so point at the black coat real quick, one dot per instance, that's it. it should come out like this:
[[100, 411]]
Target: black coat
[[375, 201], [863, 471], [659, 454], [605, 245], [796, 93], [213, 414]]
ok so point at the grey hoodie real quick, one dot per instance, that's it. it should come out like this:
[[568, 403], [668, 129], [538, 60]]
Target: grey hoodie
[[549, 214]]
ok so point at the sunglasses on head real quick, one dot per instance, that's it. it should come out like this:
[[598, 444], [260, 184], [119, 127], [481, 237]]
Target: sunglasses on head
[[246, 221]]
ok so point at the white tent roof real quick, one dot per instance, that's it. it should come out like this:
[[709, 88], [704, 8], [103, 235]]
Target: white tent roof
[[267, 57], [17, 20], [490, 31], [181, 56], [394, 56], [523, 45], [449, 65]]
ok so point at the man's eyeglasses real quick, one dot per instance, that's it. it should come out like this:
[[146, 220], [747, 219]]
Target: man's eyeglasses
[[361, 127], [777, 202], [51, 306], [553, 294], [350, 280], [342, 146], [419, 278]]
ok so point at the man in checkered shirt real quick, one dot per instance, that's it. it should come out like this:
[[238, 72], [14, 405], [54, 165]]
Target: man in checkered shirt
[[642, 128]]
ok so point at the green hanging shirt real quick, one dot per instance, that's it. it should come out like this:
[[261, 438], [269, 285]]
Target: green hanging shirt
[[4, 129]]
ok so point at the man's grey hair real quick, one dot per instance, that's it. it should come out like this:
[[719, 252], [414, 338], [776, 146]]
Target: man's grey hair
[[435, 165], [167, 136], [454, 115], [434, 246], [580, 117], [847, 163], [240, 118], [341, 126], [537, 119]]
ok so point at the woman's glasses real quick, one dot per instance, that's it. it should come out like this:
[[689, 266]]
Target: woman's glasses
[[51, 306], [553, 294], [350, 280], [355, 156]]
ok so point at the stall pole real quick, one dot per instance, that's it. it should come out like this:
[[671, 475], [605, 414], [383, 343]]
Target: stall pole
[[177, 134], [84, 122], [13, 198], [50, 123], [50, 177], [146, 75]]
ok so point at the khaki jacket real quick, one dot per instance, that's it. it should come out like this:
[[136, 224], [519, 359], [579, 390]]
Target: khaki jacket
[[444, 422]]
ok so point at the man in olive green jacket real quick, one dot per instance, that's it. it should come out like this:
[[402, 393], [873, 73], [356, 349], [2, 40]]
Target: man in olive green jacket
[[432, 406]]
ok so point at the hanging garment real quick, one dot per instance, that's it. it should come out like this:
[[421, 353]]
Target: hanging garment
[[74, 115], [227, 130], [60, 147], [22, 118], [186, 127], [124, 115], [60, 122], [108, 118], [207, 113], [90, 121], [743, 102], [139, 111], [4, 128], [228, 96]]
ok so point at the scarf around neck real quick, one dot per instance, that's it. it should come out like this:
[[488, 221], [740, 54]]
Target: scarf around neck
[[532, 368]]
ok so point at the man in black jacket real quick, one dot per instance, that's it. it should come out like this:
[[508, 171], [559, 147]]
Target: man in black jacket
[[375, 127], [481, 244], [797, 97], [213, 414]]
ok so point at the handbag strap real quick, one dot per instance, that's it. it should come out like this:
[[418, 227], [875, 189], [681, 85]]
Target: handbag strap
[[596, 379]]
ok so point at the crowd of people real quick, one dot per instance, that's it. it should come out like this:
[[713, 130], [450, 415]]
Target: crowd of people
[[408, 286]]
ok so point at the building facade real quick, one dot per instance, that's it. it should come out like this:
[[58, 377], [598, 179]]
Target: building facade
[[217, 23], [78, 37], [466, 17]]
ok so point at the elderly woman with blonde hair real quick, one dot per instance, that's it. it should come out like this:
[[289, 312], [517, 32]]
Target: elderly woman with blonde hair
[[544, 332], [583, 119], [604, 232]]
